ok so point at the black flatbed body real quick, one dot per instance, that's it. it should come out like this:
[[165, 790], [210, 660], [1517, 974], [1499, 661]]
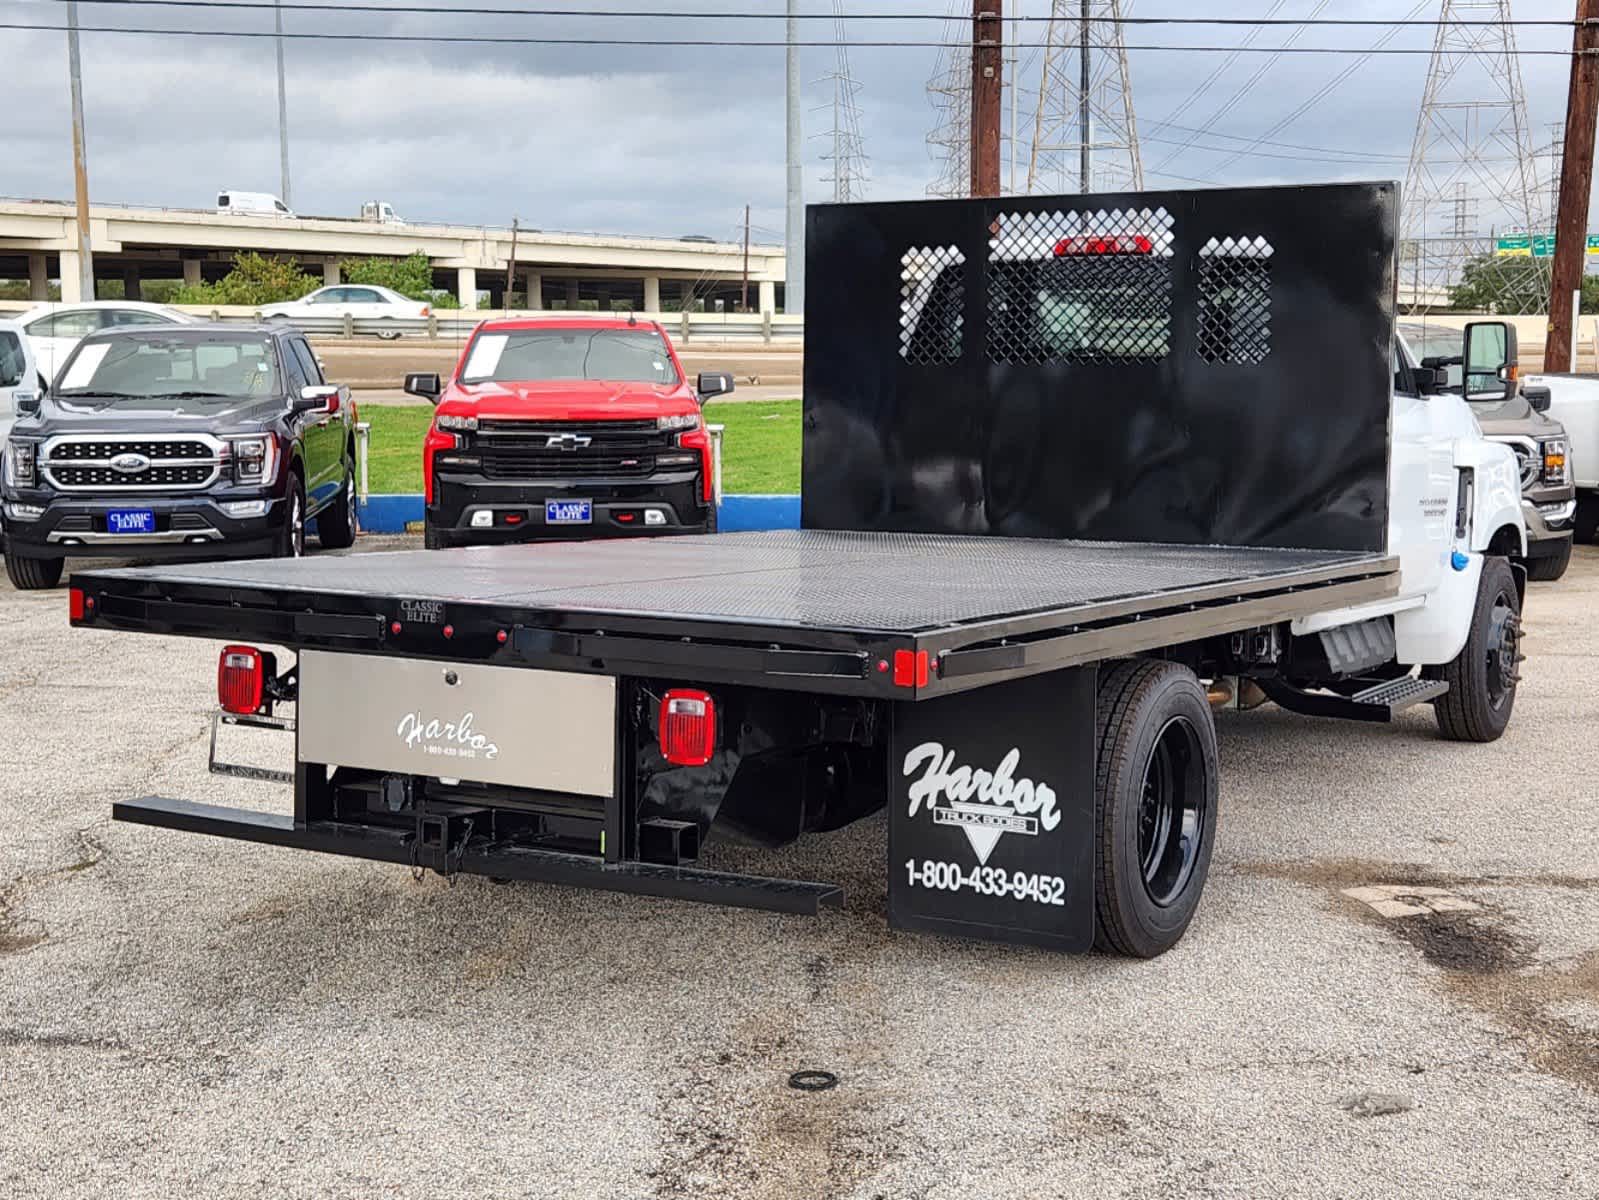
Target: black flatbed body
[[811, 610]]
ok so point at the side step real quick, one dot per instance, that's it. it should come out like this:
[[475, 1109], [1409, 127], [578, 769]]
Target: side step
[[1379, 703], [501, 861]]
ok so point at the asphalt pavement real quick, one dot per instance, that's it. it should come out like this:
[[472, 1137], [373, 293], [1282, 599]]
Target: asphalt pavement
[[184, 1016]]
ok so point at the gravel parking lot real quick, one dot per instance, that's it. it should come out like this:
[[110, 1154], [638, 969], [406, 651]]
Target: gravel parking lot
[[183, 1016]]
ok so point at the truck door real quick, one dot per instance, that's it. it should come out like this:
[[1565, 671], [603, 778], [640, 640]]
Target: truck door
[[1422, 482], [323, 434]]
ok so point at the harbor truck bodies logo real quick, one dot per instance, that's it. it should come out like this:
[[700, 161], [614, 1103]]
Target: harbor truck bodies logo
[[985, 804]]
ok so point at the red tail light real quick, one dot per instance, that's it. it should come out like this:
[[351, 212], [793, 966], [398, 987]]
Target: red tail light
[[688, 727], [431, 445], [75, 607], [242, 673], [427, 310], [1073, 246]]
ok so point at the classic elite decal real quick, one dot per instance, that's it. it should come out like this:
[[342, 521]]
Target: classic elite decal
[[985, 804]]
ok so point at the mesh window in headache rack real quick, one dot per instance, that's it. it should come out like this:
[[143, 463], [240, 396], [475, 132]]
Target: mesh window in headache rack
[[1234, 300], [932, 305]]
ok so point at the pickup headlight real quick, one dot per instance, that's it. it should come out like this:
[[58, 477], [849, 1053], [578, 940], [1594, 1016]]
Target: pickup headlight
[[455, 424], [254, 458], [684, 421], [1555, 464], [21, 464]]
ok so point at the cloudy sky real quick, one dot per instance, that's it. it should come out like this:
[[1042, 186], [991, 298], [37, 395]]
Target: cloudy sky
[[663, 140]]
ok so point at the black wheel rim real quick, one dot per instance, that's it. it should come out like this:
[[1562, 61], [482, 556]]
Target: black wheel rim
[[1503, 650], [1172, 811]]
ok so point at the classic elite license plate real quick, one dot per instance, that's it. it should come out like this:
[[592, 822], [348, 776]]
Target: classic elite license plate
[[568, 512], [130, 520]]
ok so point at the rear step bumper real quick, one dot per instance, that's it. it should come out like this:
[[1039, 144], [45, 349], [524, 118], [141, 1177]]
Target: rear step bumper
[[506, 862]]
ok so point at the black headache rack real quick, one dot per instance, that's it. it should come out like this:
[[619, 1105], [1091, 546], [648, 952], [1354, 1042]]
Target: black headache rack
[[1040, 433]]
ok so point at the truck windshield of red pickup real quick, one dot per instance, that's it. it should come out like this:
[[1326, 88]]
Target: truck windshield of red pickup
[[529, 355]]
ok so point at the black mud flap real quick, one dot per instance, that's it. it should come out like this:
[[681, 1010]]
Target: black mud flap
[[991, 817]]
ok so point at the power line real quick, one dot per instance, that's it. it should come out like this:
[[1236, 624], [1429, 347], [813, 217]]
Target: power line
[[712, 15], [667, 43]]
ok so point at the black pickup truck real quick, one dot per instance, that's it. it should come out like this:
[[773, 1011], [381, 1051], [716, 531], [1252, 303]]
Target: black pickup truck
[[200, 441]]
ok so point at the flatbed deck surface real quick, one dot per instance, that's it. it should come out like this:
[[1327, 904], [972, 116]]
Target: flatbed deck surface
[[806, 579]]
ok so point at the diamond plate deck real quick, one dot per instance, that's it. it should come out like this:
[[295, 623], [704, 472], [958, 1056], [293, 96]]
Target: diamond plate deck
[[884, 583]]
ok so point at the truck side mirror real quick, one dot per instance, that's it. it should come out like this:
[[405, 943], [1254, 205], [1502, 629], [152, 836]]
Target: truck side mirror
[[1491, 366], [424, 384], [317, 397], [1429, 381], [713, 383], [1538, 396]]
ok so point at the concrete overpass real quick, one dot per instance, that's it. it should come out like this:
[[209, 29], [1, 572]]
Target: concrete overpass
[[38, 242]]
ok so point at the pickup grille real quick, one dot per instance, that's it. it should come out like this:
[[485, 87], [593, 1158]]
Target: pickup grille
[[85, 464], [569, 449]]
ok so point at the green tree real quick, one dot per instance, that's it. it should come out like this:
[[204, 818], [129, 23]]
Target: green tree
[[1505, 284], [255, 279], [410, 276]]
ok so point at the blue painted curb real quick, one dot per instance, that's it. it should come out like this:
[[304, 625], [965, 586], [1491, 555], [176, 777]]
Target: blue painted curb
[[738, 514]]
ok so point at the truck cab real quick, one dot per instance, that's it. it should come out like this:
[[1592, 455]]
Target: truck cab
[[1505, 414], [570, 426]]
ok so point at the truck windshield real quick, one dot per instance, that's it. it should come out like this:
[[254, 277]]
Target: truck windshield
[[173, 370], [532, 355]]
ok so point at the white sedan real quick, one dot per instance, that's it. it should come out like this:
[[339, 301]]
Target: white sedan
[[361, 302], [54, 329]]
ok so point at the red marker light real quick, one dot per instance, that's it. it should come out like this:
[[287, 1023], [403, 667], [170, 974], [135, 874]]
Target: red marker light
[[75, 604], [501, 637], [449, 631], [882, 666], [395, 627]]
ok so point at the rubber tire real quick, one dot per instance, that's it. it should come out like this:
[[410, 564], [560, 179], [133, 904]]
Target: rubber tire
[[388, 335], [1550, 567], [336, 524], [1463, 712], [284, 547], [33, 574], [1136, 698], [710, 519], [1587, 525], [433, 537]]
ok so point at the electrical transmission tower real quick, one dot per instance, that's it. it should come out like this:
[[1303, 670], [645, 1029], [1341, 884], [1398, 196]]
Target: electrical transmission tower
[[1472, 169], [1085, 136], [846, 160], [949, 91]]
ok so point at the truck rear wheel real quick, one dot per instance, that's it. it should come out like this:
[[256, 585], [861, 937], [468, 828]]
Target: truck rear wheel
[[336, 524], [33, 574], [1482, 677], [1155, 801], [433, 537]]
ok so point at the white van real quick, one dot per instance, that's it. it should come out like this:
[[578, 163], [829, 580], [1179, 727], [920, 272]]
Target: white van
[[382, 212], [252, 204]]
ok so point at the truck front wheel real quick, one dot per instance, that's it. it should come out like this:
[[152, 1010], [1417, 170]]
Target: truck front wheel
[[32, 574], [1549, 567], [1155, 800], [1482, 677]]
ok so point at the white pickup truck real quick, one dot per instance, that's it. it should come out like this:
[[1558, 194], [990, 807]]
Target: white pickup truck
[[1573, 400]]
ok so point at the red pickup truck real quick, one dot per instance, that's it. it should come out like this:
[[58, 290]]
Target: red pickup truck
[[572, 425]]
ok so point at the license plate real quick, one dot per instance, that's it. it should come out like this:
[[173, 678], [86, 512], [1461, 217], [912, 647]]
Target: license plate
[[568, 512], [130, 520]]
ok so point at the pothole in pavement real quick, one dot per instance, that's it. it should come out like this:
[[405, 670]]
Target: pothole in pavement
[[1486, 963]]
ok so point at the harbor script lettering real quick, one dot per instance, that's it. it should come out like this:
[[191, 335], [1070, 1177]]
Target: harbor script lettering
[[985, 804], [453, 739]]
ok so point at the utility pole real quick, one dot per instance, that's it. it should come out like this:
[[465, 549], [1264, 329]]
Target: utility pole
[[283, 110], [80, 169], [510, 266], [1576, 177], [794, 235], [988, 77], [744, 293], [1085, 121]]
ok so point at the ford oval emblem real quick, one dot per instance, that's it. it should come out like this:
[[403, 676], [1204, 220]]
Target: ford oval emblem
[[130, 464]]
